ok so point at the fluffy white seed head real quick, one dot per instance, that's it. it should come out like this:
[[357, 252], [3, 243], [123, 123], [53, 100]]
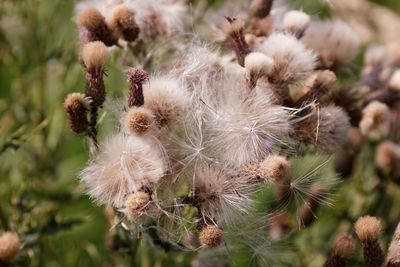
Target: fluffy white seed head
[[372, 115], [368, 228], [292, 60], [334, 42], [327, 128], [240, 129], [166, 98], [394, 82], [296, 22], [159, 17], [124, 165], [220, 194], [95, 55], [9, 246]]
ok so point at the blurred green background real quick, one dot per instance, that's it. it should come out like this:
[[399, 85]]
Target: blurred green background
[[40, 157]]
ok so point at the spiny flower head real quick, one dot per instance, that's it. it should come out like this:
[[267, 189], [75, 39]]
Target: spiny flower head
[[135, 95], [9, 246]]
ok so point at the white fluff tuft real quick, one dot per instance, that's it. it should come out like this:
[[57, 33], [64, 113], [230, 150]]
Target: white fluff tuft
[[166, 98], [334, 42], [159, 17], [124, 165], [292, 60], [296, 22]]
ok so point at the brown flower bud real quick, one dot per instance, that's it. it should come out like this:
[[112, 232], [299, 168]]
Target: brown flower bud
[[76, 106], [123, 21], [368, 229], [136, 204], [95, 27], [210, 236]]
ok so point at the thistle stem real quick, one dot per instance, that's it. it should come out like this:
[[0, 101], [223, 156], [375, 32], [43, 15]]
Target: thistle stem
[[92, 131]]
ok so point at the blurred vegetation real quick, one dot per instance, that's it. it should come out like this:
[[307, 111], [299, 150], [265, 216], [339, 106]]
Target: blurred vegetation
[[40, 157]]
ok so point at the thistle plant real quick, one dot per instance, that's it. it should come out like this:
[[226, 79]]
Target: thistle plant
[[198, 142], [217, 147]]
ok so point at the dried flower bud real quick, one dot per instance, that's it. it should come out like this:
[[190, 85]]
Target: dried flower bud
[[210, 236], [138, 120], [91, 19], [296, 22], [234, 30], [260, 8], [343, 247], [275, 168], [368, 229], [9, 246], [95, 27], [257, 65], [76, 106], [306, 213], [386, 155], [135, 95], [394, 82], [123, 20], [136, 204], [95, 55], [373, 115], [393, 256]]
